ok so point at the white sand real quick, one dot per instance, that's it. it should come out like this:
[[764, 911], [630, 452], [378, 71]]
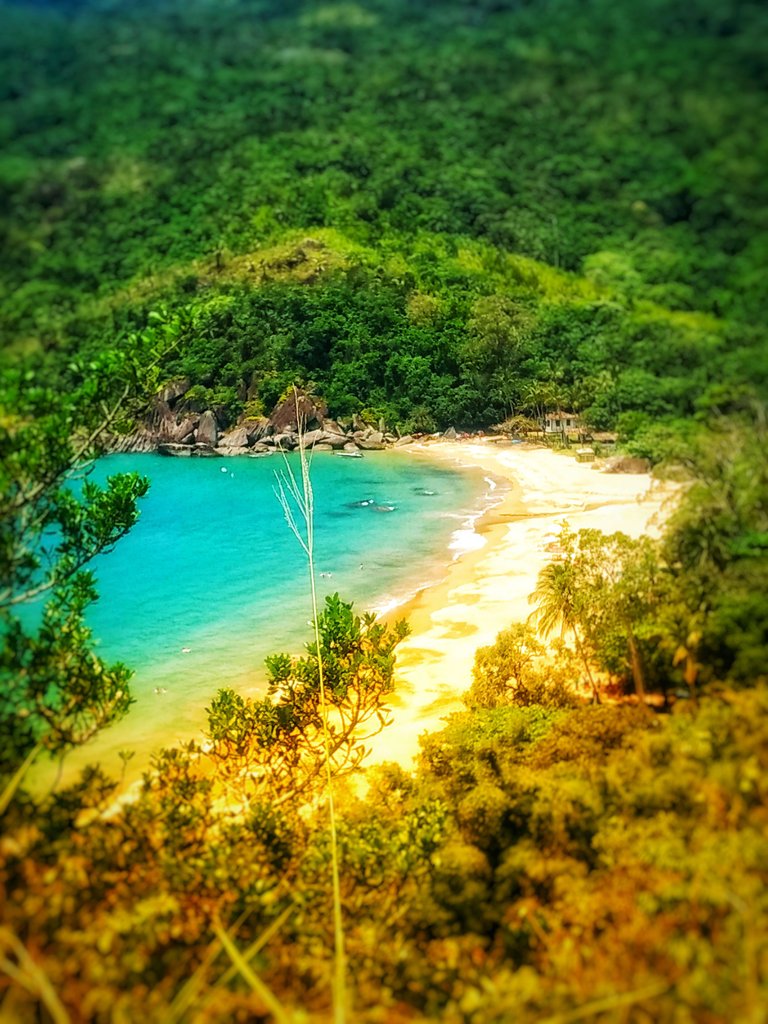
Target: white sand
[[488, 589]]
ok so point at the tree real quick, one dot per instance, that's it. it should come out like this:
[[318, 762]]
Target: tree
[[621, 582], [55, 693], [558, 601], [274, 748]]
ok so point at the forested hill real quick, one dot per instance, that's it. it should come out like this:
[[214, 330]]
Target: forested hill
[[427, 210]]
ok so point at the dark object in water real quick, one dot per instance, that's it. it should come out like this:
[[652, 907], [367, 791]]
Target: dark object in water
[[359, 504]]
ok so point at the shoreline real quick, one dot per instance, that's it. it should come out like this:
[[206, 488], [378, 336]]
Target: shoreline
[[486, 589]]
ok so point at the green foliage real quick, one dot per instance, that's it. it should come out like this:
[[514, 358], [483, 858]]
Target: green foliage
[[55, 693], [716, 611], [602, 856], [273, 748], [510, 672], [259, 168], [573, 220]]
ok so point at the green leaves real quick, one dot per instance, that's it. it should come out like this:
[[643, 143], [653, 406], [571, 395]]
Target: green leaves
[[274, 748]]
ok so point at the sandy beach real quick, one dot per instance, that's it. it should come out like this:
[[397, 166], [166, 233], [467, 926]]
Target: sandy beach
[[487, 589]]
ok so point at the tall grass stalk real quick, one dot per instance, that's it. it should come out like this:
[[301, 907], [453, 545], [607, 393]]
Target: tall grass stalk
[[297, 502], [244, 968]]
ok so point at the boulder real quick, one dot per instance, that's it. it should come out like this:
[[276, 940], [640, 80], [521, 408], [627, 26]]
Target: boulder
[[175, 449], [233, 451], [332, 426], [237, 438], [323, 447], [358, 423], [173, 390], [257, 428], [351, 447], [298, 409], [337, 441], [260, 449], [627, 464], [404, 440], [287, 441], [204, 451], [313, 437], [373, 442], [450, 434], [183, 432], [208, 429]]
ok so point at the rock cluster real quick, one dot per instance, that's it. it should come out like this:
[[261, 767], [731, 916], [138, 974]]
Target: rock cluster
[[173, 427]]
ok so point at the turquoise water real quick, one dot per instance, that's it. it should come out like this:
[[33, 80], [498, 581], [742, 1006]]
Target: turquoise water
[[211, 579]]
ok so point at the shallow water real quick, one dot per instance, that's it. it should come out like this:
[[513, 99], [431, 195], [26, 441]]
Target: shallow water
[[211, 579]]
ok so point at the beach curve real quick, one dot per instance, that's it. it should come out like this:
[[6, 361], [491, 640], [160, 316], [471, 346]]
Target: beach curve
[[487, 589]]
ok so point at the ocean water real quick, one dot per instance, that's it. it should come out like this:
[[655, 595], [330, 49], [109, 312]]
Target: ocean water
[[211, 579]]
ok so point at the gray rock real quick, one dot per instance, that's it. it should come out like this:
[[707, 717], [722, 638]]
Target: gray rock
[[204, 451], [323, 447], [450, 434], [175, 449], [336, 441], [184, 430], [313, 437], [243, 450], [208, 429], [237, 438], [374, 442], [297, 408], [626, 464], [257, 429], [287, 441], [173, 390], [350, 446], [404, 440]]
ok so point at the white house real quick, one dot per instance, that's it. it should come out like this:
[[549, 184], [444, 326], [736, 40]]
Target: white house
[[560, 422]]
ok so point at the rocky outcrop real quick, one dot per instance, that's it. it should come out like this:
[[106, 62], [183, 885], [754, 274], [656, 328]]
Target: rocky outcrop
[[298, 409], [175, 449], [207, 430], [370, 440], [176, 425], [258, 428], [237, 438], [288, 440], [188, 450], [626, 464], [174, 390]]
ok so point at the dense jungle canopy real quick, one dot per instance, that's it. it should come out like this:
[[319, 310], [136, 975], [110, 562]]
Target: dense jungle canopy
[[428, 211]]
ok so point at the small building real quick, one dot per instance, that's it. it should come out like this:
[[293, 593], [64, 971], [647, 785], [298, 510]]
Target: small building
[[562, 422], [585, 455]]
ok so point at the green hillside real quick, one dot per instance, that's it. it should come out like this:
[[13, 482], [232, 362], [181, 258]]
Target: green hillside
[[492, 195]]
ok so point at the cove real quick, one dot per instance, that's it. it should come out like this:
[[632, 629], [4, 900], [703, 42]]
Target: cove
[[211, 578]]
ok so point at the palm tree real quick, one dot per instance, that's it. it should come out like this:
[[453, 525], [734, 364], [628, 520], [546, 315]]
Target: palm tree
[[556, 603]]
